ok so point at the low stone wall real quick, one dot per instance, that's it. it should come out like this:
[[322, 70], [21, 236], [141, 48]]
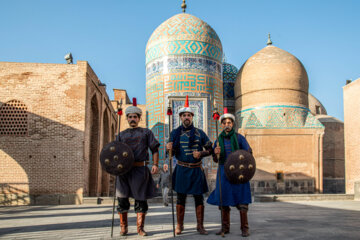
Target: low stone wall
[[285, 186], [46, 199]]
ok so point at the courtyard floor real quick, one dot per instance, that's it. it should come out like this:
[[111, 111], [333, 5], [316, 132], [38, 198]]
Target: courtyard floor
[[273, 220]]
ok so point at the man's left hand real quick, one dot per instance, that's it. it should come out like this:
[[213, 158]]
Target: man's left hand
[[154, 169], [196, 154]]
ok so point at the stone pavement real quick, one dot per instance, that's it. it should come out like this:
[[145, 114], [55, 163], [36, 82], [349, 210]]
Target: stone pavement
[[274, 220]]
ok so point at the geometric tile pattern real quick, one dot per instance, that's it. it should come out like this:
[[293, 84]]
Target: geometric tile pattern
[[180, 63], [183, 47], [229, 72], [184, 34], [277, 117], [229, 77], [185, 27]]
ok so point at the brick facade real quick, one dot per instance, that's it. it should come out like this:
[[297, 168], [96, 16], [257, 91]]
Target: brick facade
[[352, 129], [52, 162]]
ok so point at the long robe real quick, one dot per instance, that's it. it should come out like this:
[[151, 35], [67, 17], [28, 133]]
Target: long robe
[[190, 180], [232, 194], [138, 182]]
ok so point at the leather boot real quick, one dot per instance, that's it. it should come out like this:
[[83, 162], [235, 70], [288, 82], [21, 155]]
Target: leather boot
[[123, 223], [244, 223], [140, 221], [200, 220], [225, 225], [180, 212]]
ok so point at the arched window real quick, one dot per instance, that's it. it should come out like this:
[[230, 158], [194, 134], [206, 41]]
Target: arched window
[[13, 119]]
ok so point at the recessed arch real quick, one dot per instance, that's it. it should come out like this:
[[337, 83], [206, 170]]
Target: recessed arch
[[94, 145]]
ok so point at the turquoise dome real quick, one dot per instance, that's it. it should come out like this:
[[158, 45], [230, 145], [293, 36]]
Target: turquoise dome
[[229, 77], [184, 34]]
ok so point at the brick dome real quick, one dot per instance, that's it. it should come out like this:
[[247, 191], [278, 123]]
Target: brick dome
[[271, 76]]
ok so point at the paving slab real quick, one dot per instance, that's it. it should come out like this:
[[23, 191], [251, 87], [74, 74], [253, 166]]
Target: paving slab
[[273, 220]]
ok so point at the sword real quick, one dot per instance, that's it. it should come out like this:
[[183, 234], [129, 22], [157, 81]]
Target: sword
[[216, 117], [169, 113], [119, 113]]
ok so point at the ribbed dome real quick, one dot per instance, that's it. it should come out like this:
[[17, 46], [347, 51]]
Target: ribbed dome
[[271, 76], [184, 34]]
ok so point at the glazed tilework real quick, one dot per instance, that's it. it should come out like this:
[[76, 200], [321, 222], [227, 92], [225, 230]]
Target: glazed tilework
[[183, 63], [229, 72], [277, 117], [183, 47], [229, 78], [180, 82], [184, 27], [183, 57]]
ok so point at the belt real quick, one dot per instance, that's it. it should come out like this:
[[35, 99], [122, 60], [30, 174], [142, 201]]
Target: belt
[[140, 164], [189, 165]]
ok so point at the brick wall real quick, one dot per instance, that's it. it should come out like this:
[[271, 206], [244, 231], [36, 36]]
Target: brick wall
[[49, 164], [295, 152], [352, 129], [48, 159]]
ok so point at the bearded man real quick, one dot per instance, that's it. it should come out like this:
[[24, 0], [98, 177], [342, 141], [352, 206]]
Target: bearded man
[[235, 195], [189, 145], [138, 182]]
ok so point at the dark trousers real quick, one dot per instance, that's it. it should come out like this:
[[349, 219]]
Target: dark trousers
[[181, 199], [124, 205]]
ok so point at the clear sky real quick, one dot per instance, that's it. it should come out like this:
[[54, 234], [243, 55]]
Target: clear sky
[[111, 35]]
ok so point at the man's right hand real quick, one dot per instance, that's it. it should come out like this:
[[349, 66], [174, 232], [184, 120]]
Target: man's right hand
[[169, 146]]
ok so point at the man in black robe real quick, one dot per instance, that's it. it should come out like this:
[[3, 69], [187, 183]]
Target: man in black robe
[[138, 182]]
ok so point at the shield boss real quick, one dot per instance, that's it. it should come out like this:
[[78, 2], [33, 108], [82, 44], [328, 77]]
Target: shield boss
[[116, 158], [240, 167]]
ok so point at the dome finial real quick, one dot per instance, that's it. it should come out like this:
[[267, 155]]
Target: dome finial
[[183, 6], [269, 42], [224, 58]]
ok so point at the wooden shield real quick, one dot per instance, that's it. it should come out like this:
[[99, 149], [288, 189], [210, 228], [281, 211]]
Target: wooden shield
[[240, 167], [116, 158]]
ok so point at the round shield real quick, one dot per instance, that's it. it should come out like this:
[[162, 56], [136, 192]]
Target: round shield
[[116, 158], [240, 167]]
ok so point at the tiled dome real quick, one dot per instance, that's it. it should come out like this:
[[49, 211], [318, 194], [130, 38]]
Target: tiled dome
[[184, 34], [229, 77]]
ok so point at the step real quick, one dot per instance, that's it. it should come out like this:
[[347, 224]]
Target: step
[[109, 200], [301, 197]]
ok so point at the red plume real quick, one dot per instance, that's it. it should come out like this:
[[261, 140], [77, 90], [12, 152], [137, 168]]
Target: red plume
[[186, 101], [120, 112], [225, 110], [216, 116], [134, 102], [169, 111]]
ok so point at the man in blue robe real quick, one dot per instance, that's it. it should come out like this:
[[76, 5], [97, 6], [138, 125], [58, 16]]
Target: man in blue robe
[[235, 195], [187, 144]]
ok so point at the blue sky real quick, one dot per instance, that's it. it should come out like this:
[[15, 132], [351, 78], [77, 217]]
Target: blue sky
[[111, 35]]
